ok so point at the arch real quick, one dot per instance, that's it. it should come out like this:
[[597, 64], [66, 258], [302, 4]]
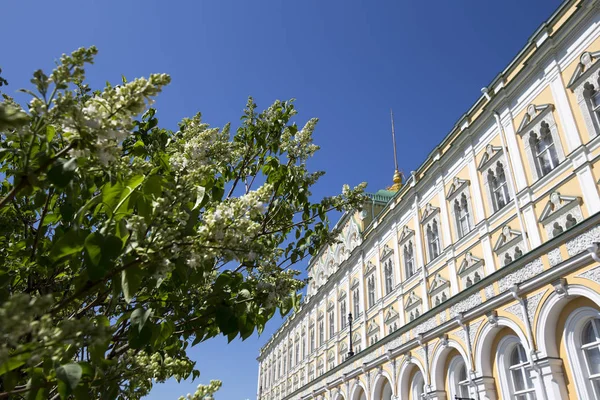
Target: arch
[[550, 313], [438, 363], [483, 345], [358, 392], [407, 370], [383, 386], [339, 395]]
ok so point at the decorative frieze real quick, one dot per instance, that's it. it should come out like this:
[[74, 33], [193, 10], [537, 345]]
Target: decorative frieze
[[527, 272]]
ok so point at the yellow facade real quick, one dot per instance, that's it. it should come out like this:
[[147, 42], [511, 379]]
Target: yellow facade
[[480, 277]]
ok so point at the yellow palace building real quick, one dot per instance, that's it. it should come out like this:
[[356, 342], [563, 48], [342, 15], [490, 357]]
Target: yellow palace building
[[479, 277]]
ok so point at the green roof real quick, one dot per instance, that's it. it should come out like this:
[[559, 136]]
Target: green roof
[[382, 195]]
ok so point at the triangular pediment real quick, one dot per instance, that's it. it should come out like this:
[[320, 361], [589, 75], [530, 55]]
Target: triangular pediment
[[506, 238], [343, 347], [556, 204], [330, 305], [342, 295], [586, 60], [390, 315], [491, 152], [373, 327], [533, 112], [355, 282], [429, 212], [468, 263], [386, 251], [369, 267], [438, 284], [412, 301], [457, 185], [406, 233]]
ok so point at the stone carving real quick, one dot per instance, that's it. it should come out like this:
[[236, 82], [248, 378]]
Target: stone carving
[[532, 305], [582, 242], [591, 274], [426, 326], [443, 316], [466, 304], [554, 257], [473, 327], [420, 353], [489, 292], [528, 271], [517, 310], [462, 335]]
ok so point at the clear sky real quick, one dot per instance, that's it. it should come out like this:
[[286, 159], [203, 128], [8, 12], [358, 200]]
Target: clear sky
[[345, 61]]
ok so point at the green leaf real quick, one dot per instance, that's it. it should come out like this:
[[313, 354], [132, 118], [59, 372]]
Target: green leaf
[[50, 132], [201, 192], [139, 316], [62, 172], [70, 243], [131, 278], [70, 374], [93, 247], [163, 332]]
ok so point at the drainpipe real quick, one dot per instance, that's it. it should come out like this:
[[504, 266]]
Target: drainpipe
[[510, 169]]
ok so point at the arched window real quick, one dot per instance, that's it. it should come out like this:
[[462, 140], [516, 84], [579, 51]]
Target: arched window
[[297, 347], [544, 150], [593, 99], [389, 276], [303, 344], [355, 302], [516, 377], [498, 186], [461, 213], [433, 240], [321, 332], [331, 324], [371, 290], [571, 221], [417, 387], [582, 333], [457, 378], [312, 339], [409, 261], [343, 315], [590, 344]]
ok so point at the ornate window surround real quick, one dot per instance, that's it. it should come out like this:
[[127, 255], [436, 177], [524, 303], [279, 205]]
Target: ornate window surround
[[439, 290], [412, 306], [459, 188], [431, 213], [585, 77], [535, 116], [406, 240], [493, 155], [469, 267], [556, 213], [507, 243]]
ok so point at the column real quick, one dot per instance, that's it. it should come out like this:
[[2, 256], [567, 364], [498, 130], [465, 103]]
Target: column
[[513, 149], [363, 302], [476, 188], [484, 388], [397, 268], [445, 220], [378, 274], [550, 378], [563, 108], [488, 252], [531, 225]]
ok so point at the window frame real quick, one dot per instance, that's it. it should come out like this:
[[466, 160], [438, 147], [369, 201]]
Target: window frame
[[504, 352], [573, 331]]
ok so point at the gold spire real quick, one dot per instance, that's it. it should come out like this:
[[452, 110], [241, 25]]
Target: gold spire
[[397, 174]]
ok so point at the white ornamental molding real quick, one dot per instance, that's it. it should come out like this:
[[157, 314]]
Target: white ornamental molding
[[466, 304], [582, 242], [489, 292], [516, 310], [473, 327], [532, 305], [527, 272], [426, 326], [591, 274], [554, 257]]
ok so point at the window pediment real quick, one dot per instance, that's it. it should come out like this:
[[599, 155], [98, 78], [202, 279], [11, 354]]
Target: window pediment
[[342, 295], [343, 347], [469, 263], [373, 328], [387, 251], [534, 113], [438, 284], [457, 186], [330, 305], [429, 212], [491, 153], [320, 315], [390, 315], [558, 205], [406, 233], [586, 60], [507, 238], [369, 267], [355, 283], [412, 301]]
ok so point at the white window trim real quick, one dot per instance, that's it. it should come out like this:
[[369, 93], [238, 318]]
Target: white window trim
[[505, 347], [455, 363], [572, 334]]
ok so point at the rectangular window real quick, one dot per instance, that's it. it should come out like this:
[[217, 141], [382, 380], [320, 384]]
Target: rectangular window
[[331, 324]]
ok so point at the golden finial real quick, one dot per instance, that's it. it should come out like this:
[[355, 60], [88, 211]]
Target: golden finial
[[397, 174]]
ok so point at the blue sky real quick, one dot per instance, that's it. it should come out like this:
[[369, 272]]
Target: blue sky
[[346, 62]]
